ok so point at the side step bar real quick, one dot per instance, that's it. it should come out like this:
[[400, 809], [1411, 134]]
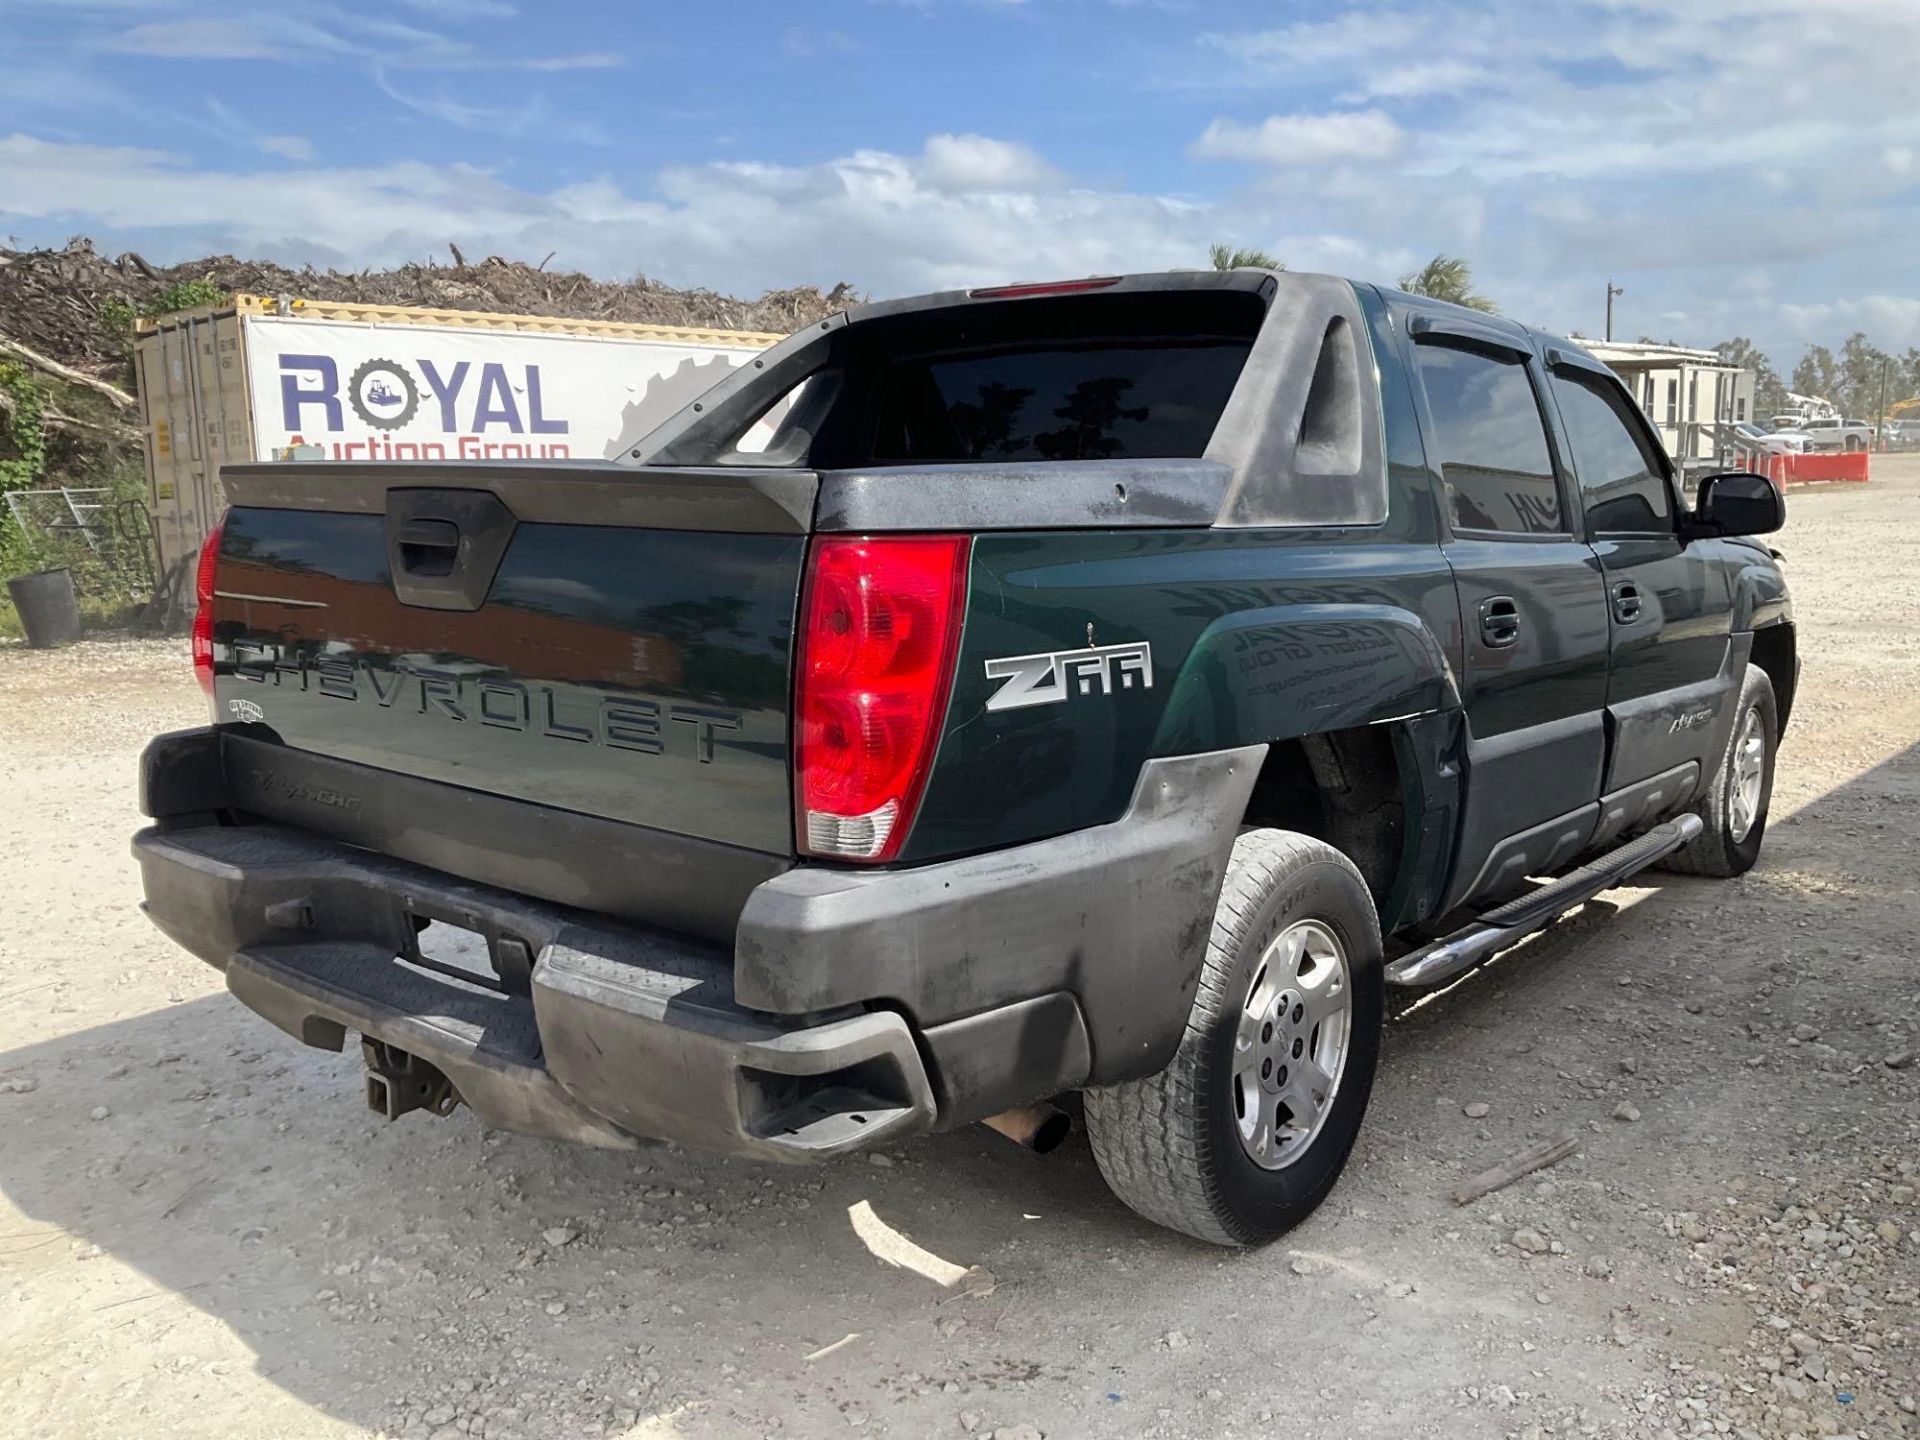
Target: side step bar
[[1507, 926]]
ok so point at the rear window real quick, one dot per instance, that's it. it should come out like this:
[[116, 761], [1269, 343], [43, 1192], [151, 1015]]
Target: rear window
[[1100, 403], [1109, 377]]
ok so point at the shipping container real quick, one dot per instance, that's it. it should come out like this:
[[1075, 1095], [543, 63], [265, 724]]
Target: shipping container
[[261, 379]]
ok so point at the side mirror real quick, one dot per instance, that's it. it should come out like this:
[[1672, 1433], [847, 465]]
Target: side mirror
[[1738, 503]]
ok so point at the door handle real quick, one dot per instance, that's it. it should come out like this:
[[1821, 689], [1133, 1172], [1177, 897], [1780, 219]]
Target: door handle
[[1499, 621], [429, 547], [1626, 602]]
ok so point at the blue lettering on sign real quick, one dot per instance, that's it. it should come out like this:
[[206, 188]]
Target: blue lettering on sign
[[496, 400], [307, 380], [539, 423], [445, 391], [294, 396]]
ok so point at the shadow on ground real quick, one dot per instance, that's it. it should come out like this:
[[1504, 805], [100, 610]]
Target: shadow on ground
[[365, 1265]]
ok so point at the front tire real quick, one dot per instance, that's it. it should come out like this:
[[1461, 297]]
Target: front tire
[[1245, 1131], [1734, 808]]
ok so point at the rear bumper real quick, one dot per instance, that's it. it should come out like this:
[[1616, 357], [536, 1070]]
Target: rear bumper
[[851, 1008], [617, 1034]]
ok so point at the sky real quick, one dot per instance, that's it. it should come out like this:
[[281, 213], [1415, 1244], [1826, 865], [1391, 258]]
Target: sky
[[1737, 166]]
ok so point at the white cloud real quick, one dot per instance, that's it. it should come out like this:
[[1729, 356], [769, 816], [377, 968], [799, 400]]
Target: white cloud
[[464, 9], [320, 32], [585, 60], [1293, 140], [1425, 77], [897, 224], [196, 39], [288, 147], [1358, 33], [531, 116], [1747, 164], [893, 223], [975, 162]]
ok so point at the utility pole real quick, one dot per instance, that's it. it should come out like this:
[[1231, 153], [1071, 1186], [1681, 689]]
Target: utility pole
[[1612, 290], [1880, 429]]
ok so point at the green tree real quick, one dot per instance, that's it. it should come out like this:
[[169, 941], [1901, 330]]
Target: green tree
[[1449, 278], [1817, 374], [1228, 257], [1866, 374], [1769, 391]]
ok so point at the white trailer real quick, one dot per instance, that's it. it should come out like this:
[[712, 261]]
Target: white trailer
[[260, 379]]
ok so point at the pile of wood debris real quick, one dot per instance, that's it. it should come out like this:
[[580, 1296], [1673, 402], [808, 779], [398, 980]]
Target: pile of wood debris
[[72, 304]]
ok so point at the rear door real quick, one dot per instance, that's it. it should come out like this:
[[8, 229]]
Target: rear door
[[1532, 606], [1670, 609], [601, 641]]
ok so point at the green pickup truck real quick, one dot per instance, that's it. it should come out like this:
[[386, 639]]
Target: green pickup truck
[[1106, 686]]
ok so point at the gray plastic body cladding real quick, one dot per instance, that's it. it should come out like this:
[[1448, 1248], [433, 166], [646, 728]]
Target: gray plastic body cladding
[[626, 1032], [484, 1044], [1302, 432], [1635, 807], [1011, 1056], [667, 1054], [1116, 916], [1556, 767], [1056, 495], [674, 881], [558, 492]]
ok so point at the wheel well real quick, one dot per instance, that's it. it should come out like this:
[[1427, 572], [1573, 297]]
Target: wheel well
[[1773, 652], [1344, 788]]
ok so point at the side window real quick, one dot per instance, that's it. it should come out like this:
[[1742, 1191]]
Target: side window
[[1491, 441], [1622, 480]]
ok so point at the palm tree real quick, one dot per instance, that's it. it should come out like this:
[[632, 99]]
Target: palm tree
[[1446, 277], [1227, 257]]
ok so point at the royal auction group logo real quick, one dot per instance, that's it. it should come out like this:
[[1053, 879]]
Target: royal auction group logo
[[383, 394], [453, 409]]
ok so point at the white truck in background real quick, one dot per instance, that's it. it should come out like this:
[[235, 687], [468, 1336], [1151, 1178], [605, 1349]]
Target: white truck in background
[[288, 379], [1830, 432]]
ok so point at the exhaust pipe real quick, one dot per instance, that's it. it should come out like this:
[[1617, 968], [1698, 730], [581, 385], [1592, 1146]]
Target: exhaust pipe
[[1039, 1127]]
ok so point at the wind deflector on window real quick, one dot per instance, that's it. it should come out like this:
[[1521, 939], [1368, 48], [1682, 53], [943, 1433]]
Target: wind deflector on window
[[1302, 433]]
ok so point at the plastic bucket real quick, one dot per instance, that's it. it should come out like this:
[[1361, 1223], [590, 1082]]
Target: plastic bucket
[[49, 613]]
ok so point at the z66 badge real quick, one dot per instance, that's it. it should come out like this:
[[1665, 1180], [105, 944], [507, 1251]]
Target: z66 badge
[[1054, 677]]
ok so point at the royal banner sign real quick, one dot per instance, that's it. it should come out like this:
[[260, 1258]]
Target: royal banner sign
[[335, 390]]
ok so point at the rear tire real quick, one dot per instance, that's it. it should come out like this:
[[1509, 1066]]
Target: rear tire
[[1734, 808], [1251, 1122]]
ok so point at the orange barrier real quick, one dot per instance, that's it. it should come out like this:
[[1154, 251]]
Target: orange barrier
[[1849, 467]]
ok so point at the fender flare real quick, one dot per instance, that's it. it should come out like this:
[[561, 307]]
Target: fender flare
[[1281, 672]]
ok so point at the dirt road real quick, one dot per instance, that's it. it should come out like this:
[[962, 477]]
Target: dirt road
[[202, 1230]]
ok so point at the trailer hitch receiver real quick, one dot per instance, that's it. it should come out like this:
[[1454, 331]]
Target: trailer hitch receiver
[[398, 1082]]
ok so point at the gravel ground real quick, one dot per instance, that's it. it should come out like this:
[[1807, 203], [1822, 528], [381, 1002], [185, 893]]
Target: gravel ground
[[201, 1228]]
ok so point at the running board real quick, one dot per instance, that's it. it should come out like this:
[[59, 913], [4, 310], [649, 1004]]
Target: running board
[[1502, 928]]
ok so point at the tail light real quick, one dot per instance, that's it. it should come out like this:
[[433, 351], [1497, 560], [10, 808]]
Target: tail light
[[203, 606], [880, 629]]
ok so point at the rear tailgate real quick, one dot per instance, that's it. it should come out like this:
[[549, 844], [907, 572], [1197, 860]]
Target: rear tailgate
[[610, 642]]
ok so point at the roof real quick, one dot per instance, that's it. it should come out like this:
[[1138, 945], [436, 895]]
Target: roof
[[1636, 352], [462, 320]]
